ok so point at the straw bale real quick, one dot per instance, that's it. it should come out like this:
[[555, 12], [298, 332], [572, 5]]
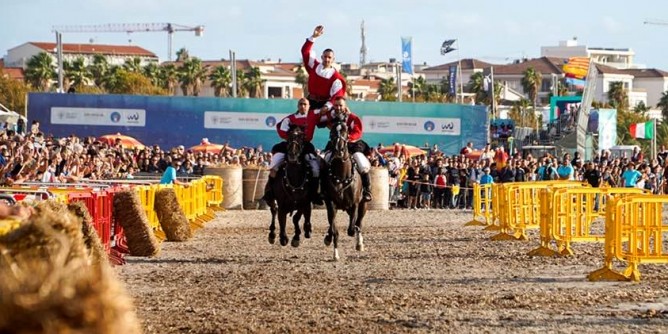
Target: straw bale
[[39, 236], [130, 214], [96, 251], [50, 295], [170, 215]]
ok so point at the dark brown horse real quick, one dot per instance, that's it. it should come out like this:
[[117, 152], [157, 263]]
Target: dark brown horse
[[342, 188], [291, 191]]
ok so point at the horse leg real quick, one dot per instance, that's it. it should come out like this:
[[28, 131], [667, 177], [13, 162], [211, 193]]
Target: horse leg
[[272, 226], [307, 221], [361, 211], [352, 215], [282, 218], [333, 233], [298, 231]]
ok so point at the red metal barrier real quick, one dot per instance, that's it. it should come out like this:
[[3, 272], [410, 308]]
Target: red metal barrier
[[117, 241]]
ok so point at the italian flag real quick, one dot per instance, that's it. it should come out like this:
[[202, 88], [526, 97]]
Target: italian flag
[[642, 130]]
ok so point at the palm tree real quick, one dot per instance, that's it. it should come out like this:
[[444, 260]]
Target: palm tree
[[640, 108], [99, 69], [617, 96], [152, 72], [78, 74], [522, 115], [191, 76], [531, 83], [221, 78], [388, 89], [254, 82], [476, 86], [418, 87], [241, 86], [302, 79], [169, 78], [182, 55], [40, 71], [663, 104], [133, 65]]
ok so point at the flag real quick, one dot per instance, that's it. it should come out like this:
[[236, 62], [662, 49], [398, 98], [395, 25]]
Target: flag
[[407, 54], [642, 130], [488, 85], [446, 47], [452, 79], [576, 68]]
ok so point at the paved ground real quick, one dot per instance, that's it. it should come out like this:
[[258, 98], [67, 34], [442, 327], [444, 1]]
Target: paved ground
[[422, 271]]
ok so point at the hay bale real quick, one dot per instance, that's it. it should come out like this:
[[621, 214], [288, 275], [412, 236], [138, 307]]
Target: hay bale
[[40, 236], [170, 215], [39, 295], [94, 247], [131, 216]]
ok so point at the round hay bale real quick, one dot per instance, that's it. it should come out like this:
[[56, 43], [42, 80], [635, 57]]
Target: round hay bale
[[131, 216], [41, 235], [232, 185], [43, 296], [254, 181], [96, 251], [170, 215], [380, 189]]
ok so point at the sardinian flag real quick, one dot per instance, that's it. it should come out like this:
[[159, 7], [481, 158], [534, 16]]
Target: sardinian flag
[[446, 47]]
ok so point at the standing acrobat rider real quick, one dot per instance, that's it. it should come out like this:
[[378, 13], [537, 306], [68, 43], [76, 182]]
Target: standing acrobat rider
[[325, 83], [356, 146], [307, 121]]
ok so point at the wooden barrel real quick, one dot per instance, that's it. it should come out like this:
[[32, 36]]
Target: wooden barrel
[[254, 180], [232, 185], [380, 189]]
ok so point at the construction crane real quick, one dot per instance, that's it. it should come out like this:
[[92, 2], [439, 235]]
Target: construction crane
[[656, 22], [129, 28]]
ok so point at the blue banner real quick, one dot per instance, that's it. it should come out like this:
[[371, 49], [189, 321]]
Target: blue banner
[[452, 79], [407, 54], [171, 121]]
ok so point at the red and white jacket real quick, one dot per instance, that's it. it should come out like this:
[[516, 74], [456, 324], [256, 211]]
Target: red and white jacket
[[323, 83], [307, 122], [354, 123]]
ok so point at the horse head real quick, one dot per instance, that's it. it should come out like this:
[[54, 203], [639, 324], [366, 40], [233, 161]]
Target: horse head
[[295, 143], [338, 136]]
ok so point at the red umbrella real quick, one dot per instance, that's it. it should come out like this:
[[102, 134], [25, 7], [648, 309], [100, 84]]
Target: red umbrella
[[126, 141], [206, 147], [412, 150]]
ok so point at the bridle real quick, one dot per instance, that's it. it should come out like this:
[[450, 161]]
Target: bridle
[[339, 138], [295, 147]]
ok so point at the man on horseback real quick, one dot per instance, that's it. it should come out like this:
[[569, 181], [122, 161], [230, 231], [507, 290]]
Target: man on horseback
[[307, 121], [325, 83], [357, 147]]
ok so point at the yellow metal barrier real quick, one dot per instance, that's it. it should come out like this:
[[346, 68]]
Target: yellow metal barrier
[[214, 185], [147, 199], [497, 200], [636, 234], [571, 217], [8, 224], [482, 200]]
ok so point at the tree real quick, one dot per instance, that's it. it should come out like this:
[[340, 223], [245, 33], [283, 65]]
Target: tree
[[302, 79], [191, 75], [182, 55], [169, 78], [77, 74], [254, 82], [220, 79], [522, 114], [133, 65], [241, 87], [418, 88], [40, 71], [13, 93], [640, 108], [134, 83], [531, 83], [617, 96], [663, 104], [476, 85], [99, 69], [388, 89], [152, 72]]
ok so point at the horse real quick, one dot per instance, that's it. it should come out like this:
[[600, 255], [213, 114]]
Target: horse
[[291, 192], [342, 188]]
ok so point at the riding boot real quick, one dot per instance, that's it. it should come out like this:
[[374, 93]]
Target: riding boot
[[366, 184], [316, 197], [268, 191]]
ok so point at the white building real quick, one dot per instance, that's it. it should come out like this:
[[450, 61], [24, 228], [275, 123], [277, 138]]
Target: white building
[[653, 81], [621, 58], [115, 54]]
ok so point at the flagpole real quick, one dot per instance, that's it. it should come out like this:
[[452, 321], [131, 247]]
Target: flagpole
[[653, 140]]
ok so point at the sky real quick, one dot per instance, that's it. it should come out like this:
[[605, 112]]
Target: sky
[[489, 30]]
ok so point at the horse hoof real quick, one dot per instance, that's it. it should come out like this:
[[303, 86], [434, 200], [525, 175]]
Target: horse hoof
[[359, 248], [272, 239], [328, 240], [284, 241], [295, 243], [351, 232], [307, 234]]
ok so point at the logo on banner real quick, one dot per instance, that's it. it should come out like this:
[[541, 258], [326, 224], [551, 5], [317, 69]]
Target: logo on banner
[[270, 121], [116, 117], [429, 126]]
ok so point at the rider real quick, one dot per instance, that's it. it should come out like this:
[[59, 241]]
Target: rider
[[356, 146], [325, 83], [307, 121]]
